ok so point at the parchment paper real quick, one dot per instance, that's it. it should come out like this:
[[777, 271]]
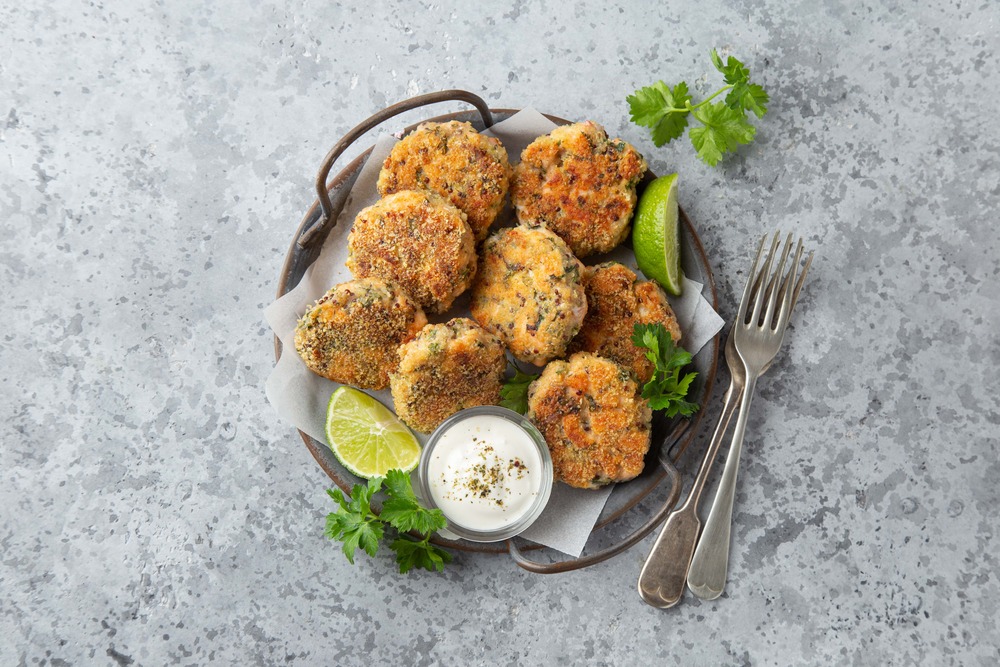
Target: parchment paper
[[300, 396]]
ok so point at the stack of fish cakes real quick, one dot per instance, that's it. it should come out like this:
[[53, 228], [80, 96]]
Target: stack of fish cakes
[[443, 187]]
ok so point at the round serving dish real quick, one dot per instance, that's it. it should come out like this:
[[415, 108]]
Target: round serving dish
[[670, 438]]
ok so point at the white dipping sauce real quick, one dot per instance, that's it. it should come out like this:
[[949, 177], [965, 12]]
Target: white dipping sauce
[[485, 473]]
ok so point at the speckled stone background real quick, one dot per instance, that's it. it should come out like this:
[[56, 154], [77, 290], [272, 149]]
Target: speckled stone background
[[155, 159]]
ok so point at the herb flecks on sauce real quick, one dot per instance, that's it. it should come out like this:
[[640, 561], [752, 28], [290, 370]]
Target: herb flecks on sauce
[[488, 476]]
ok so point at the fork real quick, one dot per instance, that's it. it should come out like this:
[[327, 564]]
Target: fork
[[663, 575], [756, 338]]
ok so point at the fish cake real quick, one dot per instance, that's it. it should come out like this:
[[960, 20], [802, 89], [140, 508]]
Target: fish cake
[[616, 301], [352, 333], [579, 184], [456, 162], [446, 368], [595, 423], [529, 292], [418, 240]]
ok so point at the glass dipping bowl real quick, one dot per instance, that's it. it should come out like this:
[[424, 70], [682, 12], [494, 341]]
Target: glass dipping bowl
[[541, 498]]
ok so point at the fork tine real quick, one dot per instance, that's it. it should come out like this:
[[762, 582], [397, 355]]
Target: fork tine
[[802, 278], [790, 294], [770, 285], [764, 272], [776, 280], [798, 283], [751, 280], [758, 285]]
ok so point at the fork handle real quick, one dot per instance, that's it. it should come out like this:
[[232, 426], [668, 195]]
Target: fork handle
[[661, 581], [707, 575]]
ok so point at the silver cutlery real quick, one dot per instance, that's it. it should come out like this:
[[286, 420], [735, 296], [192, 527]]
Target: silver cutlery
[[662, 579], [754, 341]]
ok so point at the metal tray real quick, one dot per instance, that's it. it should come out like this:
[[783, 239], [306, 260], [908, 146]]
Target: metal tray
[[621, 524]]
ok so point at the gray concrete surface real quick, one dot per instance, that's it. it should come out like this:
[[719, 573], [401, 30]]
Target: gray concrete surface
[[155, 159]]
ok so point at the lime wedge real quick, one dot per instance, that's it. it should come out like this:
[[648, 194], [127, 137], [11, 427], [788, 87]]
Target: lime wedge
[[655, 235], [366, 437]]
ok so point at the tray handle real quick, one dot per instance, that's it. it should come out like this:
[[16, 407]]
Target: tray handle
[[523, 561], [331, 212]]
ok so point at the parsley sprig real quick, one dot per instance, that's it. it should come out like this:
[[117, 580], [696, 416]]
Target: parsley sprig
[[666, 390], [356, 525], [724, 127], [514, 393]]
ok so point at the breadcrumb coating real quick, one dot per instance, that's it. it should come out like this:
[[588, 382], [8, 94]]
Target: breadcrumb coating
[[596, 425], [579, 184], [446, 368], [352, 333], [418, 240], [456, 162], [529, 293], [616, 301]]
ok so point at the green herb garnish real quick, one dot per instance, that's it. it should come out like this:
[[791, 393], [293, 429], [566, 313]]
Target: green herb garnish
[[514, 393], [666, 111], [666, 389], [356, 525]]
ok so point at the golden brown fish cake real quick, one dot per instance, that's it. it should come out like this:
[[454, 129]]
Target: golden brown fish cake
[[616, 301], [529, 293], [593, 419], [455, 161], [418, 240], [579, 184], [446, 368], [352, 333]]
